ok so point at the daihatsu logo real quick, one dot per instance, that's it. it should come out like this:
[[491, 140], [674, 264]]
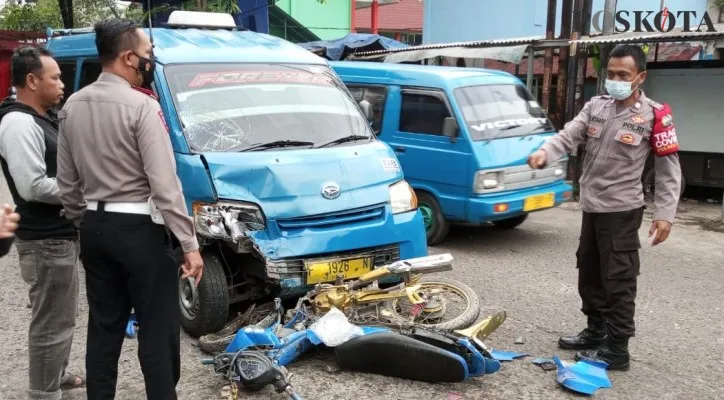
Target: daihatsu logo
[[331, 191]]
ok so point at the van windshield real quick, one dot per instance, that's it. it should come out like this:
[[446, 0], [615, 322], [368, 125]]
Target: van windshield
[[499, 111], [254, 107]]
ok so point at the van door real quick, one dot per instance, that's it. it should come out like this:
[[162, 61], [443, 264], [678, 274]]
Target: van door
[[430, 160]]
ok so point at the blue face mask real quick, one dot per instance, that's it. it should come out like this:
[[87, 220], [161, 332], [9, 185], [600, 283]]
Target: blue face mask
[[619, 90]]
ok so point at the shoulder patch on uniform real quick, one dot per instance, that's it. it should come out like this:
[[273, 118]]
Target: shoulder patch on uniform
[[655, 105]]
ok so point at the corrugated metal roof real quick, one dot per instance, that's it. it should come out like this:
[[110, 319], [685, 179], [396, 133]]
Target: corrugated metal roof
[[403, 16], [677, 34], [482, 43]]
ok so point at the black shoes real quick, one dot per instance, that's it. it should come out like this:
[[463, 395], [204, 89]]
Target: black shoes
[[614, 354], [589, 338]]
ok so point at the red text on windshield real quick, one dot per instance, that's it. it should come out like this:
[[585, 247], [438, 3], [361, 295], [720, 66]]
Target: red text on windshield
[[234, 77]]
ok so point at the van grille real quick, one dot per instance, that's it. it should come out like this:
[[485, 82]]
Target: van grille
[[383, 255], [523, 176], [370, 213]]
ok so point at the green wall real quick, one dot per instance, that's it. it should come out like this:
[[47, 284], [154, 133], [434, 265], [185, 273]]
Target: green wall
[[328, 21]]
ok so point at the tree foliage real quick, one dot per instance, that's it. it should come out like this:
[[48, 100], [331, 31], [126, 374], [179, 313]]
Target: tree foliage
[[44, 14]]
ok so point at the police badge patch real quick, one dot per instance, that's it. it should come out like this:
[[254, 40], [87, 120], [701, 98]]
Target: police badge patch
[[666, 120], [638, 119]]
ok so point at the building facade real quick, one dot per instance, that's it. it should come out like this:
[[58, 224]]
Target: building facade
[[448, 21], [401, 21]]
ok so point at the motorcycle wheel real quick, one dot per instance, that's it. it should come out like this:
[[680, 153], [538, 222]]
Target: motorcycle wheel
[[400, 309], [215, 343]]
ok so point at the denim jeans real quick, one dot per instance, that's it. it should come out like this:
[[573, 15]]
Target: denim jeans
[[50, 267]]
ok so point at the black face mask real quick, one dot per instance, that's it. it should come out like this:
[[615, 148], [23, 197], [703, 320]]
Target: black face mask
[[145, 68]]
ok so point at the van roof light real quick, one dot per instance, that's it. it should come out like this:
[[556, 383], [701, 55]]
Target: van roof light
[[199, 19]]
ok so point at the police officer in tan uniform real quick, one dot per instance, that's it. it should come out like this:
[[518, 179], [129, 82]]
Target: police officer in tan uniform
[[619, 130], [114, 154]]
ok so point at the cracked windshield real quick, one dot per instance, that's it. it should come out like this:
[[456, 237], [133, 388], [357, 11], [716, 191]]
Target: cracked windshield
[[498, 111], [237, 107]]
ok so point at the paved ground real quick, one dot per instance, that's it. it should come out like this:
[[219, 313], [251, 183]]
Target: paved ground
[[529, 272]]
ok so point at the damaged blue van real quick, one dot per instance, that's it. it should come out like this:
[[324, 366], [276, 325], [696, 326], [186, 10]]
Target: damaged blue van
[[462, 136], [286, 181]]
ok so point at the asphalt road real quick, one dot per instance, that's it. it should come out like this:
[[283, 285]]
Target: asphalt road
[[528, 272]]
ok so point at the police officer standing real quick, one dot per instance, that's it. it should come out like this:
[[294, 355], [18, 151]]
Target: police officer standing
[[619, 130], [114, 154]]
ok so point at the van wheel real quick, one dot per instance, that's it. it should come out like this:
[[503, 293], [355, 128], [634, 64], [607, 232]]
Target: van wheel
[[649, 185], [510, 223], [205, 308], [436, 226]]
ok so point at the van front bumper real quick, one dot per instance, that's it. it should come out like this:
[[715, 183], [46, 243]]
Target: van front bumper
[[396, 237], [506, 205]]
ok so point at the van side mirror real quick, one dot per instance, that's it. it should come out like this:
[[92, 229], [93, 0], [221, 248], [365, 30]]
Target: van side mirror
[[366, 109], [450, 128]]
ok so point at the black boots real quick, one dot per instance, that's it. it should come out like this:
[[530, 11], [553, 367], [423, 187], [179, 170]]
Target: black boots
[[613, 352], [590, 338]]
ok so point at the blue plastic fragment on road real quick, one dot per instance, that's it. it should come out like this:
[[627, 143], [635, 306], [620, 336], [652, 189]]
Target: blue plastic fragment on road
[[585, 376], [132, 327], [506, 355]]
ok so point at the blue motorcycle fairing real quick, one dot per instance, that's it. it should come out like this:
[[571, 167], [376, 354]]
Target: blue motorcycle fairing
[[480, 365]]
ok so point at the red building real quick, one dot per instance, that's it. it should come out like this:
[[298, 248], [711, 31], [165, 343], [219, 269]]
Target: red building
[[401, 21]]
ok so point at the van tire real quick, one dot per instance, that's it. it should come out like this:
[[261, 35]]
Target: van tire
[[510, 223], [436, 226], [209, 310]]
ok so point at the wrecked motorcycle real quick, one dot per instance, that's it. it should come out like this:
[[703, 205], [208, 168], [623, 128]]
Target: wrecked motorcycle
[[459, 354], [252, 371], [417, 301]]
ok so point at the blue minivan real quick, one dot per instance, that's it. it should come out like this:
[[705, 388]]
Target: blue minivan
[[286, 181], [462, 136]]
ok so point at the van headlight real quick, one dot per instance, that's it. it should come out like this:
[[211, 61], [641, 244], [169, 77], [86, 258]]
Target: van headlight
[[227, 220], [487, 181], [402, 197]]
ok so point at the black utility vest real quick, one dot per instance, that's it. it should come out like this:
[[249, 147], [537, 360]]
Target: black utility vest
[[39, 221]]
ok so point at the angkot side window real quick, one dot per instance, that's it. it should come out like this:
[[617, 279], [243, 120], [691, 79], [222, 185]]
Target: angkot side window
[[422, 113], [67, 75], [376, 96], [257, 107], [89, 72], [500, 111]]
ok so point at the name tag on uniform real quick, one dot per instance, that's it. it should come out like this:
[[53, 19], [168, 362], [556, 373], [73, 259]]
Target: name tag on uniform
[[629, 138]]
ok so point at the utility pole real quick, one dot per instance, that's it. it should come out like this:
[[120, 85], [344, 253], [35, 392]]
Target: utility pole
[[609, 13], [548, 57], [578, 66], [562, 83]]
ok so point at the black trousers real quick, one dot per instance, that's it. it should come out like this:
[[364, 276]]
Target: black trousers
[[128, 266], [608, 267]]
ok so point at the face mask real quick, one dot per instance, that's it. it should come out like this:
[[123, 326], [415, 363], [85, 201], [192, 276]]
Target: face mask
[[619, 90], [145, 69]]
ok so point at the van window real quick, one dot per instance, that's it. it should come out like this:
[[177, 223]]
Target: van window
[[421, 113], [235, 107], [498, 111], [67, 75], [377, 96], [89, 72]]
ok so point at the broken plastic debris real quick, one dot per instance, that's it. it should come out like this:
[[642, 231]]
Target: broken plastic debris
[[585, 376], [132, 327], [334, 328], [546, 363], [506, 355]]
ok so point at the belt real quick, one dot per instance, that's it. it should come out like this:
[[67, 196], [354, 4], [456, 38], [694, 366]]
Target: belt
[[121, 207]]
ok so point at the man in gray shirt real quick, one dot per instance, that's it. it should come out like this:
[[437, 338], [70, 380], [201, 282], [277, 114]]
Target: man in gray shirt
[[47, 243]]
